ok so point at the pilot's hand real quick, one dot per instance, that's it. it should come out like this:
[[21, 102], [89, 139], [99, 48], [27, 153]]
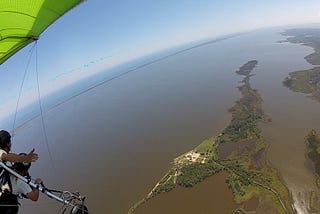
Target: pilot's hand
[[38, 181], [31, 157]]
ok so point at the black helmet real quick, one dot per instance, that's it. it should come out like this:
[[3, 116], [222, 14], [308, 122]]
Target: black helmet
[[5, 138], [19, 166]]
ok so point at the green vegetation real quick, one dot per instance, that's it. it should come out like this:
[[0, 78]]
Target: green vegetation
[[313, 154], [191, 168], [306, 81], [314, 202], [165, 185], [249, 175], [245, 116], [247, 68], [208, 149], [194, 173], [241, 178], [313, 145], [247, 111]]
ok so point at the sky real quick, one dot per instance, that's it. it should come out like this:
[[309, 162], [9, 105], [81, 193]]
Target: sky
[[100, 34]]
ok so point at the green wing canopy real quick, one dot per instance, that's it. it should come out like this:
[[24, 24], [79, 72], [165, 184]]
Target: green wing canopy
[[22, 21]]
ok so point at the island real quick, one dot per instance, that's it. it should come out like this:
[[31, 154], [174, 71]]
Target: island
[[240, 151]]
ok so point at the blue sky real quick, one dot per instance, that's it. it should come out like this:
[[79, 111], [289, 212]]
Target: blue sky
[[99, 34]]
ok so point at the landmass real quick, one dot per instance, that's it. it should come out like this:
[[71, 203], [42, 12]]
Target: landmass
[[306, 81], [313, 154], [239, 150], [309, 37]]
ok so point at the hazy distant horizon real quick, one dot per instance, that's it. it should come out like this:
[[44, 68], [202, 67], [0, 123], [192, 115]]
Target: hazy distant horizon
[[82, 85], [105, 75]]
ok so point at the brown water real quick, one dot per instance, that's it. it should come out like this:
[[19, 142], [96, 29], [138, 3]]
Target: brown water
[[218, 199], [116, 141], [293, 116]]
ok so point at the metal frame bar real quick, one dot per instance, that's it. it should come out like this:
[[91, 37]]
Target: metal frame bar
[[34, 185]]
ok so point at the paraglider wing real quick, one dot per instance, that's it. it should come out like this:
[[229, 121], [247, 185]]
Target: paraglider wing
[[22, 21]]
